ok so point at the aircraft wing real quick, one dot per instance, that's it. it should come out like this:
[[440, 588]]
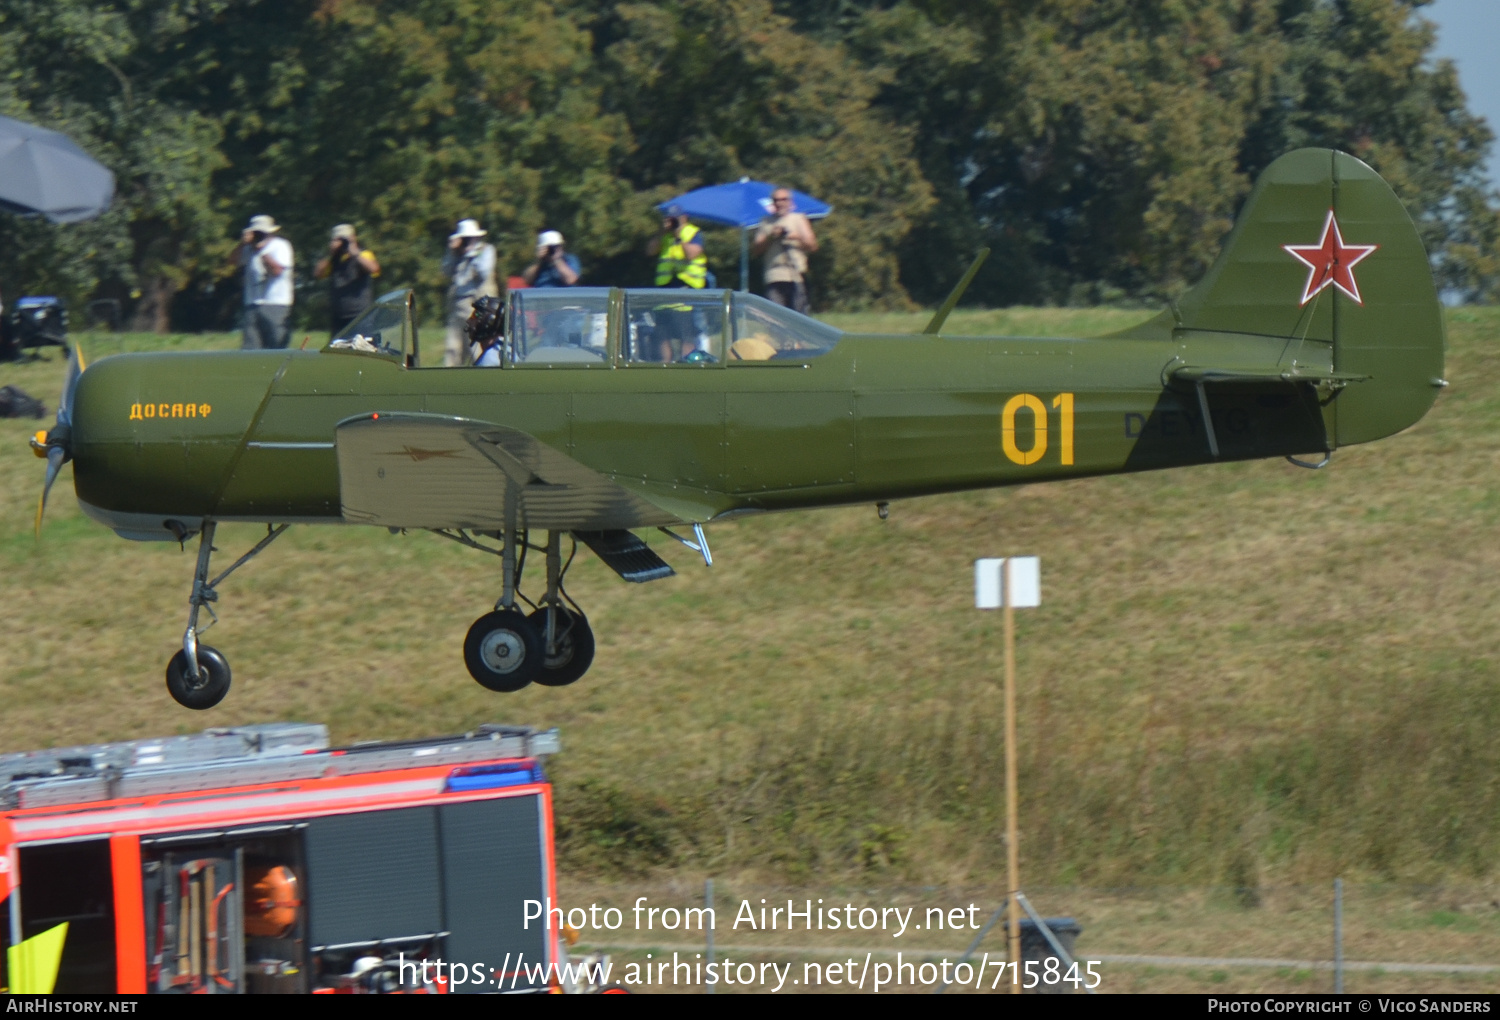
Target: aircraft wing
[[404, 470]]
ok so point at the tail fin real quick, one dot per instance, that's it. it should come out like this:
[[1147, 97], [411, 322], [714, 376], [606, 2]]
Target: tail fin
[[1325, 256]]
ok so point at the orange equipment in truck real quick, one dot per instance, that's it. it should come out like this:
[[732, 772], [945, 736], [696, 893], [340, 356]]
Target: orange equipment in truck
[[259, 859]]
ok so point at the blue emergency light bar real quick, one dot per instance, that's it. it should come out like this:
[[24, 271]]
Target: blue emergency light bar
[[492, 777]]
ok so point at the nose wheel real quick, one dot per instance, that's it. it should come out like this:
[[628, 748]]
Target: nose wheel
[[197, 675], [201, 688]]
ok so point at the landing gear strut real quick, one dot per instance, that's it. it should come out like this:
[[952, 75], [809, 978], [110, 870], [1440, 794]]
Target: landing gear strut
[[566, 635], [552, 645], [198, 676]]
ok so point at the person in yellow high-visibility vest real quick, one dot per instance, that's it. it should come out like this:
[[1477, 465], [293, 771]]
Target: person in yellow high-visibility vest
[[680, 259], [680, 263]]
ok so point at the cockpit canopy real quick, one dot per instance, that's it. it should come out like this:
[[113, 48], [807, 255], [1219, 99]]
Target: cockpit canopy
[[388, 327], [598, 327]]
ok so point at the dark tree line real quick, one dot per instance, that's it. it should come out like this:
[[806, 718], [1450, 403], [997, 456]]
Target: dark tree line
[[1101, 147]]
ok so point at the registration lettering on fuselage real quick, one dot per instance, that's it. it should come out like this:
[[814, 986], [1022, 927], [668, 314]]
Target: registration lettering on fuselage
[[140, 412]]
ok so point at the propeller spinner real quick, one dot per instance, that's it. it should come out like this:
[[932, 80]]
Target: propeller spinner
[[56, 445]]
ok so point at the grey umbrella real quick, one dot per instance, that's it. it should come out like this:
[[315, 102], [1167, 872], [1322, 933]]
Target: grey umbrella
[[44, 172]]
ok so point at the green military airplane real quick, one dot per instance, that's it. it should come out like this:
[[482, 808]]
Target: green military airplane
[[1317, 327]]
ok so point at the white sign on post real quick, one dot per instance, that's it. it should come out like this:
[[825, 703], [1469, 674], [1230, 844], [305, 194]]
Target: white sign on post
[[1025, 583]]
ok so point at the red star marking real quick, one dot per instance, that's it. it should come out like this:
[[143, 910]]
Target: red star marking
[[1330, 261]]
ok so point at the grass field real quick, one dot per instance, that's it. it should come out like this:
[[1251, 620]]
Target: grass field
[[1397, 939], [1242, 674]]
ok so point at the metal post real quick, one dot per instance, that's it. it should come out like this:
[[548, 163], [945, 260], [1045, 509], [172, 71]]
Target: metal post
[[1338, 936], [1013, 857], [975, 944], [708, 902], [745, 259]]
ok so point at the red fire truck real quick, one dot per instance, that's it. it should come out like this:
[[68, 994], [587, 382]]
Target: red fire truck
[[259, 859]]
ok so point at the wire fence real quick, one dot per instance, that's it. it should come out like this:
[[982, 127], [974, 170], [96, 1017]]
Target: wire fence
[[1344, 936]]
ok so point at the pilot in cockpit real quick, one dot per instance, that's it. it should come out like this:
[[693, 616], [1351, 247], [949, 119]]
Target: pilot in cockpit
[[485, 329]]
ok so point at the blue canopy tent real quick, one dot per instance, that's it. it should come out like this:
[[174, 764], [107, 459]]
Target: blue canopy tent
[[742, 204]]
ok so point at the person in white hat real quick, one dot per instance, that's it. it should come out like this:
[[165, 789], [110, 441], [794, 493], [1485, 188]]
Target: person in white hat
[[267, 263], [469, 264], [553, 267]]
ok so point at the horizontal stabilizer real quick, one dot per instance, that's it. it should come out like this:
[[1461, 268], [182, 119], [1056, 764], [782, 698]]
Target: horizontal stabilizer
[[1300, 374], [626, 555]]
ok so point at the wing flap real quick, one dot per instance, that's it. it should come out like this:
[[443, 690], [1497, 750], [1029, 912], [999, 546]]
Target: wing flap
[[408, 470]]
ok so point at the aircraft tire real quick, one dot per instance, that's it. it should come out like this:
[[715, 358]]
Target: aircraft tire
[[212, 683], [503, 651], [573, 658]]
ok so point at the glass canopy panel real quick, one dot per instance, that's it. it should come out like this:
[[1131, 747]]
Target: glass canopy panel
[[560, 326], [674, 326], [384, 328], [765, 331]]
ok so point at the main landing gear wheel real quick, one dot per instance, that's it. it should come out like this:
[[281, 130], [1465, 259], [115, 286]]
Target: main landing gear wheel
[[573, 647], [503, 651], [205, 690]]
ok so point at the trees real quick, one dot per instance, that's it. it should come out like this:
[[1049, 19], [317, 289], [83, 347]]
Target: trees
[[403, 117], [1101, 147], [103, 73], [1355, 75], [713, 90]]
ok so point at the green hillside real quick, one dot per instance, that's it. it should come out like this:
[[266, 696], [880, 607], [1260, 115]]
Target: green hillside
[[1240, 673]]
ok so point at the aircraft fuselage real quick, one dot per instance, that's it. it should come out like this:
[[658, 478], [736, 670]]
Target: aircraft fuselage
[[251, 436]]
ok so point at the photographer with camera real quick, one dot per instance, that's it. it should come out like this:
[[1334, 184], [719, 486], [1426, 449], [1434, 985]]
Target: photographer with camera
[[786, 238], [350, 271], [680, 262], [267, 263], [469, 264], [553, 267]]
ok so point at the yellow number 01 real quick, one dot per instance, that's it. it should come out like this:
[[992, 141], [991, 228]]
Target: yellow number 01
[[1063, 402]]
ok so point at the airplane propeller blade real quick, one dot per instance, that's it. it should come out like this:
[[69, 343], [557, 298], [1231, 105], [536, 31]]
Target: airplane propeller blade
[[75, 369], [57, 445]]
